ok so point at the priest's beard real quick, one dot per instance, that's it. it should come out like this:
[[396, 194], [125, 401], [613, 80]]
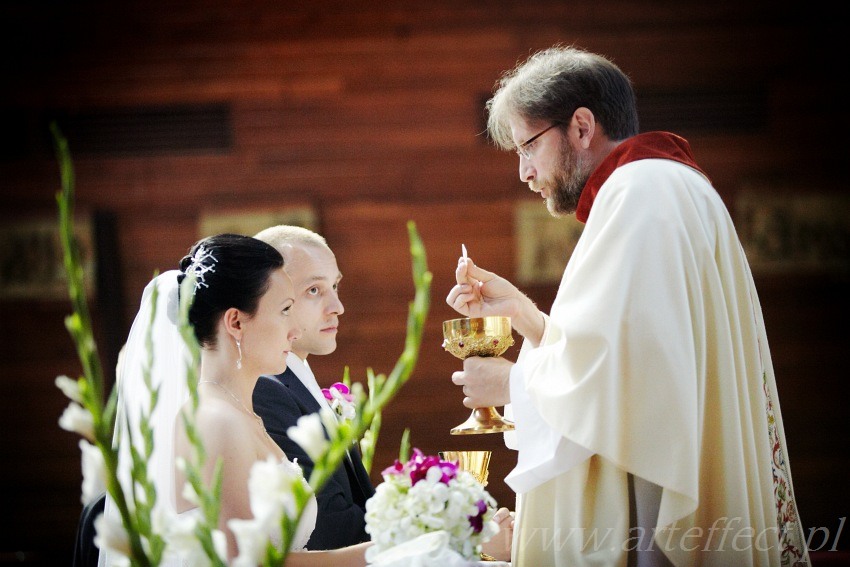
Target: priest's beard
[[567, 182]]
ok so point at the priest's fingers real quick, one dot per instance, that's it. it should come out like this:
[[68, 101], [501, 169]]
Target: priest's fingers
[[453, 298], [473, 273], [459, 379], [464, 299], [497, 295], [463, 276], [487, 380], [502, 514]]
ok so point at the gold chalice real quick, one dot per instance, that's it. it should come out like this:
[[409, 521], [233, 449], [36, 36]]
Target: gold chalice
[[479, 336], [476, 463]]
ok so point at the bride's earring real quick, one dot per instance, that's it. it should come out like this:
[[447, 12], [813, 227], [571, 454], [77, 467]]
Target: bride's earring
[[239, 360]]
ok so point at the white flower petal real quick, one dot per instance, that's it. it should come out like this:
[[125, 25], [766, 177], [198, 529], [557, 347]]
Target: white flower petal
[[110, 534], [308, 433], [77, 419], [251, 540], [219, 543], [70, 388], [94, 472]]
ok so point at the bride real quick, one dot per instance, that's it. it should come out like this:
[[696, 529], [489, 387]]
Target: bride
[[242, 318]]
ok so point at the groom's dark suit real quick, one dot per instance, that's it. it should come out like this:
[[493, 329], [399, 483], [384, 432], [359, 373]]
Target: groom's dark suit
[[280, 400]]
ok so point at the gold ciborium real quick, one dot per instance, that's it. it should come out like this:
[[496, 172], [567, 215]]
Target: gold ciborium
[[477, 463], [479, 336]]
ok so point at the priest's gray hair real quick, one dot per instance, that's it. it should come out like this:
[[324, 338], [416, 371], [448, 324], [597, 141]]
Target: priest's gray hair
[[551, 84]]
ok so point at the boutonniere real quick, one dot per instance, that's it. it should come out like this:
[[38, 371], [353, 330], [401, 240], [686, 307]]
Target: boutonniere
[[341, 400]]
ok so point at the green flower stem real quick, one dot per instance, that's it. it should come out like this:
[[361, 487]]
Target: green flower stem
[[80, 328]]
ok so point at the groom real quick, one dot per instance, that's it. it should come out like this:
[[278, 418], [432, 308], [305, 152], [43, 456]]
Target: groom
[[280, 400]]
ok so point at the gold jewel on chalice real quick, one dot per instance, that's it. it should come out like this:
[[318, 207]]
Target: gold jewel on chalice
[[479, 336]]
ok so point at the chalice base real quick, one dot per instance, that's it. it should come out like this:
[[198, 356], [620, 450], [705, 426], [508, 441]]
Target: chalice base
[[483, 420]]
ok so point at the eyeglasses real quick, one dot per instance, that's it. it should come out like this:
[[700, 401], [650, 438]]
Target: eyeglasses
[[524, 149]]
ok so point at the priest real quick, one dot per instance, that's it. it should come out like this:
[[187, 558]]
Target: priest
[[648, 425]]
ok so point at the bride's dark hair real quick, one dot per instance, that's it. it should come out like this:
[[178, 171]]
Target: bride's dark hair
[[231, 270]]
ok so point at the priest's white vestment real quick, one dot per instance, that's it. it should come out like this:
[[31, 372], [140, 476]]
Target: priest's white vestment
[[654, 368]]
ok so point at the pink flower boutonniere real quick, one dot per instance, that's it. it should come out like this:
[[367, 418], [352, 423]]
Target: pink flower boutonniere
[[341, 400]]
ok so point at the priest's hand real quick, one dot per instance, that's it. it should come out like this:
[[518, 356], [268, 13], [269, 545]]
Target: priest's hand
[[485, 381], [499, 546], [479, 293]]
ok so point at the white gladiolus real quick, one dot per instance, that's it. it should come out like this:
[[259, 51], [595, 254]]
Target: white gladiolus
[[270, 487], [111, 535], [70, 388], [162, 517], [77, 419], [308, 433], [251, 539], [94, 472], [219, 543], [179, 533], [181, 540]]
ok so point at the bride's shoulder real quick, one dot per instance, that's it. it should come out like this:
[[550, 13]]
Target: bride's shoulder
[[216, 418]]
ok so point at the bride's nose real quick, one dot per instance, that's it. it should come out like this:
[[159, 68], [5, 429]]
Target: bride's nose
[[294, 331]]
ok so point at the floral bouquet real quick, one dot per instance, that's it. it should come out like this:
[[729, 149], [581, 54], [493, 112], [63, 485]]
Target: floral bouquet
[[426, 495]]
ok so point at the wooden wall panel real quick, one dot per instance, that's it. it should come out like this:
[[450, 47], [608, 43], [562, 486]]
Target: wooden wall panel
[[372, 114]]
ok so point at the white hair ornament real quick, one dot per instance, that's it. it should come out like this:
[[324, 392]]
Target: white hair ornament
[[202, 262]]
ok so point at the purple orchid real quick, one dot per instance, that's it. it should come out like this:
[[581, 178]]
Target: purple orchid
[[477, 521]]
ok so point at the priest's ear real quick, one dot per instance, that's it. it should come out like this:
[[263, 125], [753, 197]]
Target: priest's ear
[[583, 127]]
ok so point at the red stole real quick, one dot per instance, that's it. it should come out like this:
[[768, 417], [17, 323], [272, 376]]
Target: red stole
[[651, 145]]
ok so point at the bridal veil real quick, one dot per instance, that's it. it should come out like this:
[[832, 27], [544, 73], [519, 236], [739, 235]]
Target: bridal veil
[[168, 375]]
